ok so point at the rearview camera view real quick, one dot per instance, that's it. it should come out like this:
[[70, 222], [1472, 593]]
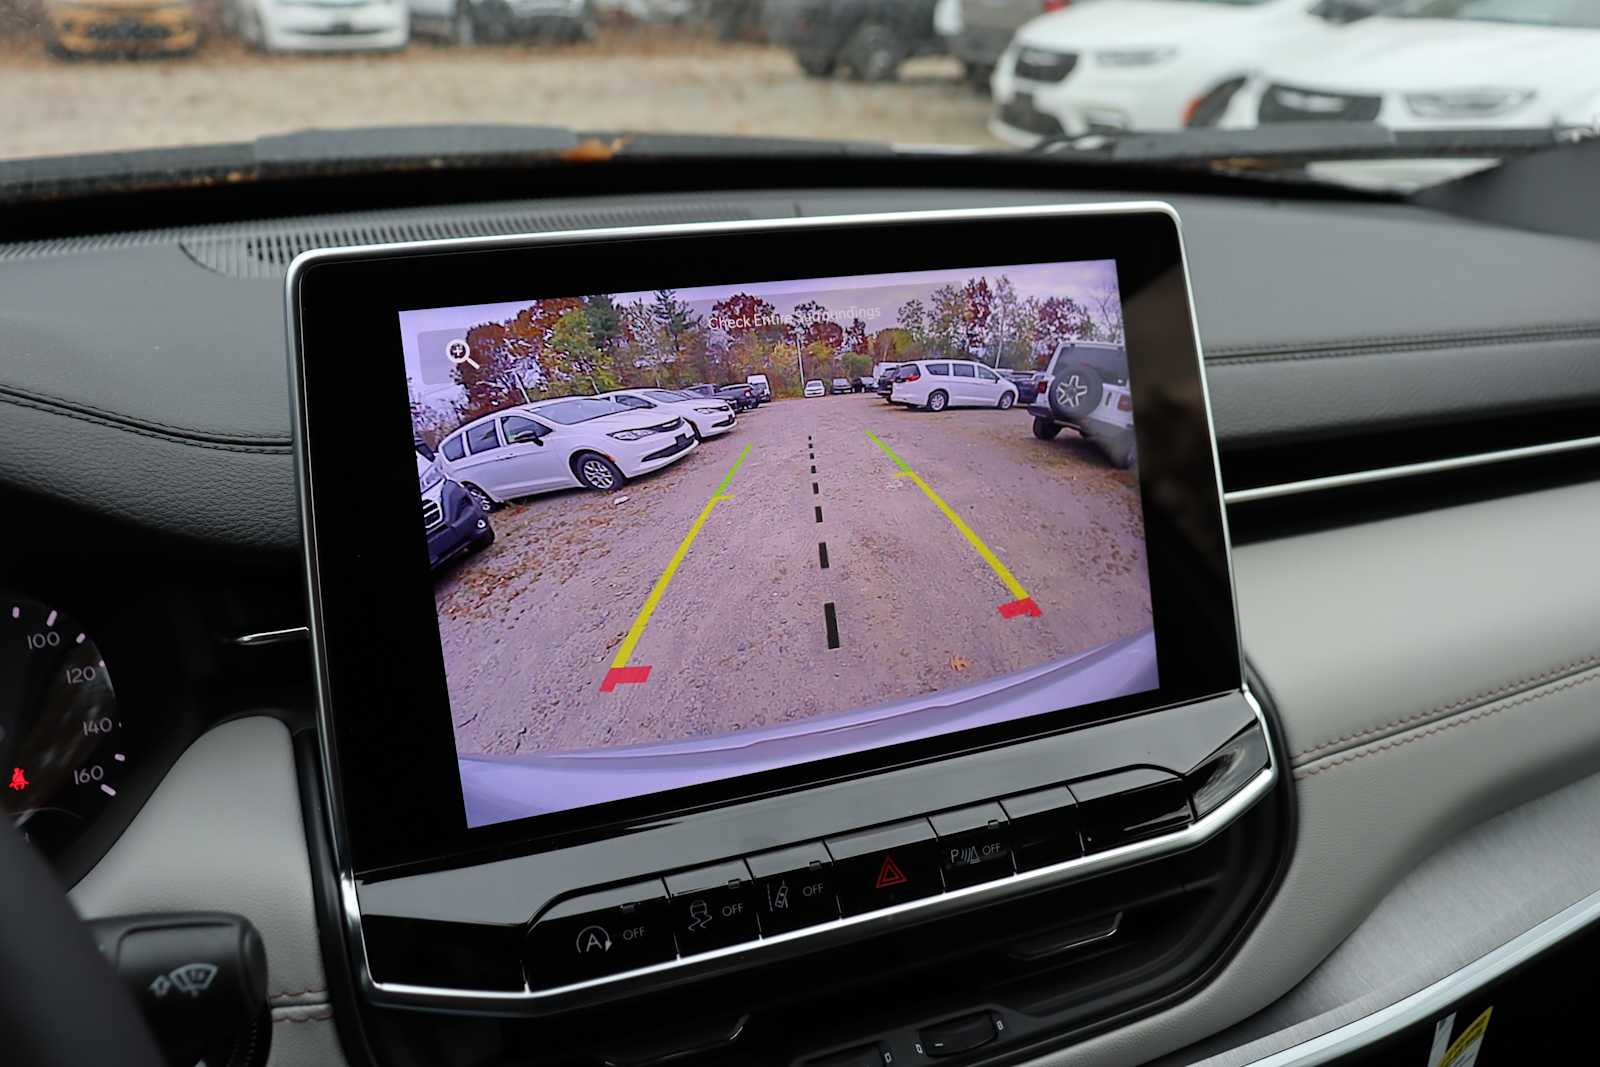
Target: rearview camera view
[[687, 535]]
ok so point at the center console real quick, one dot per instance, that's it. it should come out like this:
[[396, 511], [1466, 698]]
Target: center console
[[816, 644]]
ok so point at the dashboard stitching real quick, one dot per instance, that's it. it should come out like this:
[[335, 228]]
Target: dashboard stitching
[[1510, 687], [1361, 346], [11, 391], [117, 416], [1438, 728], [82, 416], [303, 1018]]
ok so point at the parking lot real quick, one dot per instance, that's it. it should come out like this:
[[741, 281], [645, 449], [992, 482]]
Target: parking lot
[[628, 79], [883, 574]]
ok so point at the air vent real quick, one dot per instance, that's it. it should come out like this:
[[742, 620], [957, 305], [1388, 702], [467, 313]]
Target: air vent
[[265, 249], [268, 253]]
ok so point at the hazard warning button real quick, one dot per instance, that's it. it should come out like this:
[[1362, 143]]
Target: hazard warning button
[[887, 865]]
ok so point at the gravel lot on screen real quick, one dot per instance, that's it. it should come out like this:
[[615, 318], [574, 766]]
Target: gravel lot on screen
[[739, 640]]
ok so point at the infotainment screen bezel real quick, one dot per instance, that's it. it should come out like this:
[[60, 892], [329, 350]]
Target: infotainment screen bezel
[[387, 741]]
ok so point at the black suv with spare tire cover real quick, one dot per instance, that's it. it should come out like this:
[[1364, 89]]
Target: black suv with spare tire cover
[[866, 39], [1086, 387]]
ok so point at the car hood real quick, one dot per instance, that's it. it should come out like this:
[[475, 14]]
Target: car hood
[[1414, 54], [1144, 23], [624, 420]]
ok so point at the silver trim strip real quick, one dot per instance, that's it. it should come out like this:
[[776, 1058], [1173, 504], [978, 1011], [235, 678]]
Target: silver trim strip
[[1408, 470], [1430, 1002], [273, 637], [1195, 834]]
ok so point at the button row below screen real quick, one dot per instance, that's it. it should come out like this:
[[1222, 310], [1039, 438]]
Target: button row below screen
[[660, 919]]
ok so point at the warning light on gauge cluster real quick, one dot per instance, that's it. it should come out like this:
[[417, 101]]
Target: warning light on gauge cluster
[[19, 781]]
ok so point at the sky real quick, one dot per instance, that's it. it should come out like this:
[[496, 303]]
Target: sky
[[885, 292]]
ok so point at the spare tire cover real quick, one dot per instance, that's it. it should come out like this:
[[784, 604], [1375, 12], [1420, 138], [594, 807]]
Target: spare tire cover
[[1075, 391]]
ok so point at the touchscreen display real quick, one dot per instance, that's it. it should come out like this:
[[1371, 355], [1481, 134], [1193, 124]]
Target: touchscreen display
[[687, 535]]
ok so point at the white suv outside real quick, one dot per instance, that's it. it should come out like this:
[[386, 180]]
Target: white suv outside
[[556, 444], [937, 384], [1086, 387]]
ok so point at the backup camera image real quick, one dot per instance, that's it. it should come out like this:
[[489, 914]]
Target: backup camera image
[[687, 535]]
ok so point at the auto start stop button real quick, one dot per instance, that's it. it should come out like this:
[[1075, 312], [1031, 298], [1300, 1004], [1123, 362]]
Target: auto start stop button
[[599, 934]]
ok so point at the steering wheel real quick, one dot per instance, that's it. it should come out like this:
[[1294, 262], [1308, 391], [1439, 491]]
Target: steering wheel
[[60, 1003]]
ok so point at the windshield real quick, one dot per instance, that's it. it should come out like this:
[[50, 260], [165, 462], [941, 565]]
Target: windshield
[[579, 409], [273, 85]]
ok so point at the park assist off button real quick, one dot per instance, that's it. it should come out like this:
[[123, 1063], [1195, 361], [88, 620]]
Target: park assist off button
[[600, 934], [974, 845], [890, 865]]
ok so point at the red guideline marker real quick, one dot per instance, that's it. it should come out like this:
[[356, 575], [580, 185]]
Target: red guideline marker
[[1025, 606], [623, 675]]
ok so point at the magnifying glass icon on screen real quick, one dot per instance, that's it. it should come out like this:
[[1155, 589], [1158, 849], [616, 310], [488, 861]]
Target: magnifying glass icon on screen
[[458, 352]]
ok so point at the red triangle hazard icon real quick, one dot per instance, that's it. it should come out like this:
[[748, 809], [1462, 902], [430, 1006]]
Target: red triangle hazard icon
[[890, 874]]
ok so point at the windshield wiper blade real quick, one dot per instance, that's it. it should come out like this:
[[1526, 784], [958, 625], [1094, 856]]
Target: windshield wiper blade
[[1289, 144]]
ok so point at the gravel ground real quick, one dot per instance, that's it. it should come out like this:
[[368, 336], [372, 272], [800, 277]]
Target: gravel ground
[[739, 640], [623, 80]]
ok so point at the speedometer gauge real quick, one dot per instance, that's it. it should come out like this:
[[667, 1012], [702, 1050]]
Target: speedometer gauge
[[62, 739]]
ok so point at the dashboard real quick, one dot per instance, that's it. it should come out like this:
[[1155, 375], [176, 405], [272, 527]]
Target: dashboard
[[1425, 725]]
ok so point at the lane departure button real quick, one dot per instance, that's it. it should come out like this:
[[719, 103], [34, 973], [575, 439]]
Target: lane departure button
[[974, 845], [711, 907], [600, 934], [794, 888], [886, 866]]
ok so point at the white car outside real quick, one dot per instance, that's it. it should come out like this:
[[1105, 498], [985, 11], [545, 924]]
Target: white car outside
[[1137, 64], [1444, 64], [709, 418], [557, 444], [815, 388], [937, 384], [320, 25]]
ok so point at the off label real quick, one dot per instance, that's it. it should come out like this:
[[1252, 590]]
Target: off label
[[968, 855]]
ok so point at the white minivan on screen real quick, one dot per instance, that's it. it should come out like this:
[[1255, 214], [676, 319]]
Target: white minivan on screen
[[706, 417], [937, 384], [556, 444]]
